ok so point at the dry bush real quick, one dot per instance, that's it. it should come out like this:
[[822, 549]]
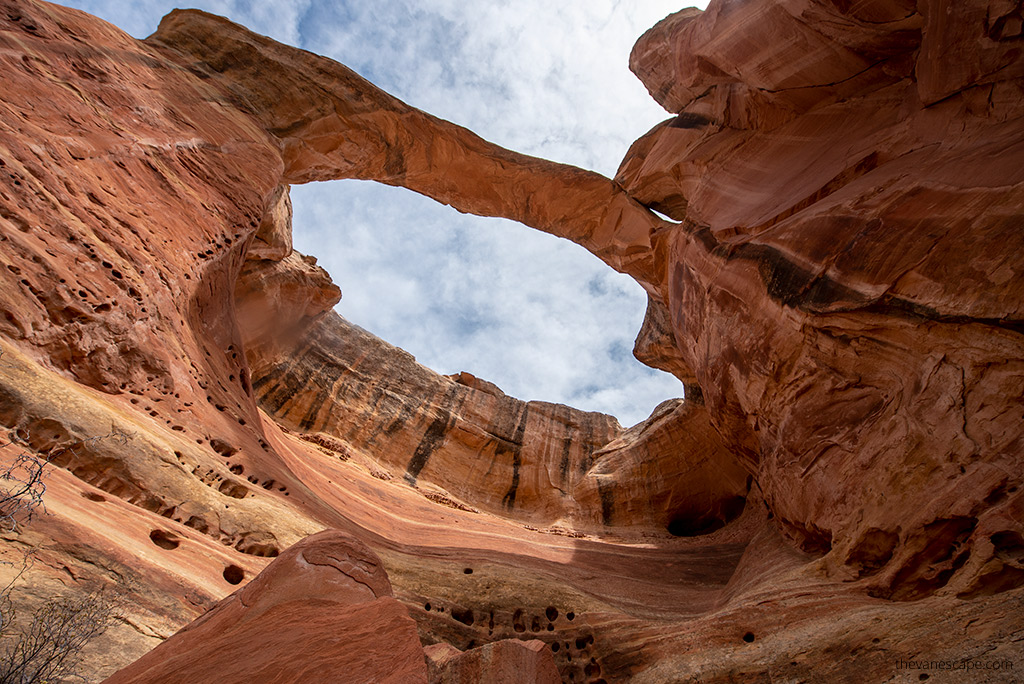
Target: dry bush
[[21, 481], [47, 649], [21, 488]]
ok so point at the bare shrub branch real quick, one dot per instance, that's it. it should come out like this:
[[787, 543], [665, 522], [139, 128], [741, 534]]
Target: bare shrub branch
[[49, 649], [21, 481], [21, 488]]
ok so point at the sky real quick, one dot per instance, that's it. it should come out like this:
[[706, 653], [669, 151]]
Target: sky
[[538, 316]]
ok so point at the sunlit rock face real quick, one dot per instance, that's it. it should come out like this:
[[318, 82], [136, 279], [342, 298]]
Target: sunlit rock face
[[838, 288], [473, 442], [322, 611]]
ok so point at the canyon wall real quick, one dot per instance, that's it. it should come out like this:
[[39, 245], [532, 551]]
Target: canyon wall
[[836, 284], [844, 280]]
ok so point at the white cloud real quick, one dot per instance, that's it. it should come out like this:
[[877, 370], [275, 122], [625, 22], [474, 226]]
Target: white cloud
[[538, 316]]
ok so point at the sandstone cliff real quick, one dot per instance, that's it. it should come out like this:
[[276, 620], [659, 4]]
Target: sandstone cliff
[[838, 286]]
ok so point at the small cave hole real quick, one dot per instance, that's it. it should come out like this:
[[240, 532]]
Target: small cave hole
[[234, 574], [222, 447], [165, 540], [1009, 546], [517, 621], [749, 637], [463, 616], [467, 571], [570, 616], [551, 613], [426, 607], [555, 646]]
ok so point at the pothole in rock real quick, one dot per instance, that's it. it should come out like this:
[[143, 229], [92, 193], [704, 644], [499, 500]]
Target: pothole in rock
[[164, 539], [234, 574]]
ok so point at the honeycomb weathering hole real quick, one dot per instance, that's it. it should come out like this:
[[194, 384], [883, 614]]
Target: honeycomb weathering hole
[[466, 617], [165, 540], [234, 574]]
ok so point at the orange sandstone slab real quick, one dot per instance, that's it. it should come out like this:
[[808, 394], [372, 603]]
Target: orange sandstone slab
[[322, 611]]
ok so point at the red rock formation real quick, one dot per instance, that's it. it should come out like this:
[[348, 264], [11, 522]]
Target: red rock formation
[[502, 662], [843, 280], [841, 297], [322, 611], [331, 123], [473, 443]]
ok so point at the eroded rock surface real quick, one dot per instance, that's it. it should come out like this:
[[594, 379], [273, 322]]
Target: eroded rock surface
[[840, 294], [503, 662], [475, 443], [844, 281], [322, 611]]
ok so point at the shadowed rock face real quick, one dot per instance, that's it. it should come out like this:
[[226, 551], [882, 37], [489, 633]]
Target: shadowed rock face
[[840, 294]]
